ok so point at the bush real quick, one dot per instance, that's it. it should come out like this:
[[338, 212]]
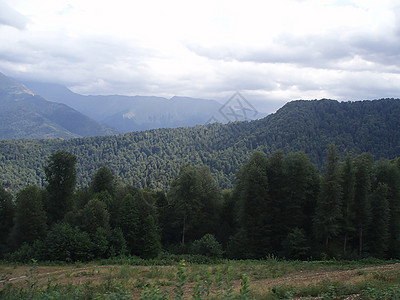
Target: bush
[[208, 246], [65, 243]]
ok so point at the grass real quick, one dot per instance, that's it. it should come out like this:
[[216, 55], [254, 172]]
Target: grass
[[249, 279]]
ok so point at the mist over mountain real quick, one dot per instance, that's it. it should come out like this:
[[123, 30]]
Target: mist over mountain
[[26, 115], [135, 113]]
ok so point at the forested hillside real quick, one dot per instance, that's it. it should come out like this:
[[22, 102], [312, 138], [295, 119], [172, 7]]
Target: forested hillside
[[280, 205], [152, 158]]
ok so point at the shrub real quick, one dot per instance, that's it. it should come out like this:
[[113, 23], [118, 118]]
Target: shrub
[[208, 246]]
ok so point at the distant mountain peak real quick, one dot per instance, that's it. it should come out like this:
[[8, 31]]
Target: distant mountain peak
[[25, 114], [12, 86]]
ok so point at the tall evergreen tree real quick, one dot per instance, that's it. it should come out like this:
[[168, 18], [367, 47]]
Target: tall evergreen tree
[[196, 199], [129, 221], [348, 193], [278, 191], [30, 217], [149, 240], [95, 215], [254, 201], [388, 173], [103, 180], [363, 164], [302, 181], [328, 212], [7, 212], [184, 197], [379, 235], [61, 177]]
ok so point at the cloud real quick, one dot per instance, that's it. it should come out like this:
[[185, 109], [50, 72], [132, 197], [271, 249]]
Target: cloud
[[11, 17], [271, 53]]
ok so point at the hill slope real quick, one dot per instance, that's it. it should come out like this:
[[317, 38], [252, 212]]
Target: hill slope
[[152, 158], [134, 113], [26, 115]]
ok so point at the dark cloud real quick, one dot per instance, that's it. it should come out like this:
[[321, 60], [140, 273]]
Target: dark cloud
[[11, 17]]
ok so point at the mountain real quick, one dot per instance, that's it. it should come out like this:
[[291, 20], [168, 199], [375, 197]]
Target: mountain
[[135, 113], [152, 158], [26, 115]]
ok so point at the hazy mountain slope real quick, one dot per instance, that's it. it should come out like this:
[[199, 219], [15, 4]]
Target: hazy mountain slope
[[133, 113], [152, 158], [25, 115]]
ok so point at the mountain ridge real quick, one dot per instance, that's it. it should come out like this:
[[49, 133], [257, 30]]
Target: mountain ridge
[[135, 113], [25, 114], [153, 157]]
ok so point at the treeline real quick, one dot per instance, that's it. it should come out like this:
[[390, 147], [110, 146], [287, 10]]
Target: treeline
[[280, 205], [152, 158]]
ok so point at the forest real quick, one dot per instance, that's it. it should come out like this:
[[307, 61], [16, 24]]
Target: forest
[[153, 158], [280, 205]]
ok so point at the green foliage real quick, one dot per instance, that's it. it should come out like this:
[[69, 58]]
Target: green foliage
[[251, 192], [153, 158], [103, 180], [65, 243], [347, 176], [93, 216], [328, 210], [149, 241], [7, 212], [379, 229], [195, 199], [388, 173], [363, 167], [61, 177], [296, 245], [30, 217], [208, 246]]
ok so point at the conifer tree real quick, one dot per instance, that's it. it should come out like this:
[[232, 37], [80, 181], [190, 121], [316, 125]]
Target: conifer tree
[[363, 164], [61, 177], [254, 201], [379, 229], [103, 180], [328, 212], [129, 221], [30, 217], [388, 173], [348, 193], [7, 212]]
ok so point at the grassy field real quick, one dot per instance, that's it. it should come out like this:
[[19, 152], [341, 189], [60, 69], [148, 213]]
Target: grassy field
[[266, 279]]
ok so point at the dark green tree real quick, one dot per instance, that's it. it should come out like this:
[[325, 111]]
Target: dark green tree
[[255, 217], [196, 200], [7, 212], [363, 165], [30, 217], [103, 180], [388, 173], [66, 243], [302, 188], [348, 192], [278, 191], [379, 235], [93, 216], [149, 241], [117, 243], [129, 222], [296, 245], [328, 212], [61, 177]]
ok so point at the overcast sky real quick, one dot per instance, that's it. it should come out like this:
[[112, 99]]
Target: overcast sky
[[270, 51]]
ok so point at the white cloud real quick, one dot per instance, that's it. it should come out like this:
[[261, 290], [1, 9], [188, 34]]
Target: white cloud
[[272, 51], [11, 17]]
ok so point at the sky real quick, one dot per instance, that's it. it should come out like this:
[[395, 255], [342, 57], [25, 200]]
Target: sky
[[271, 52]]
